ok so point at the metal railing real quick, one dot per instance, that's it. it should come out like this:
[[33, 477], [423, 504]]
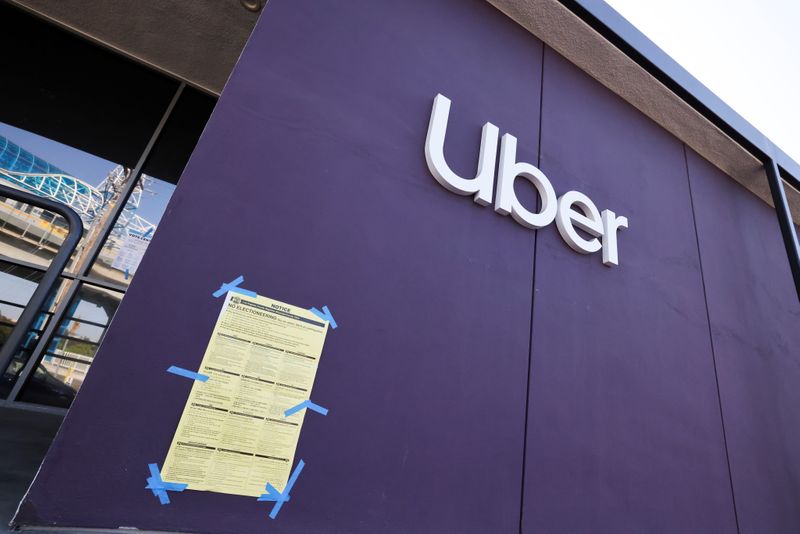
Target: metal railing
[[785, 221], [50, 278]]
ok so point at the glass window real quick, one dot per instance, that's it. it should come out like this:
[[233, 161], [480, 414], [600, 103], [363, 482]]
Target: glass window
[[28, 233], [89, 139], [35, 236], [69, 354], [124, 247], [31, 236], [17, 284], [91, 188]]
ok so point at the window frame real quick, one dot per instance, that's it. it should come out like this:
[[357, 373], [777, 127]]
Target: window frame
[[74, 280]]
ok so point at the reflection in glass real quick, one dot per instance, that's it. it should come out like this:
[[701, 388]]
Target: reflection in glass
[[128, 241], [66, 361], [28, 233], [32, 235], [17, 284]]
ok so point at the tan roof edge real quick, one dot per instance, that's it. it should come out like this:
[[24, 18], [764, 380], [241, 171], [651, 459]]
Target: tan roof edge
[[571, 37]]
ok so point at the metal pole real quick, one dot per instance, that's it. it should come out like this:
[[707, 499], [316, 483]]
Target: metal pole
[[39, 298], [784, 220], [94, 250]]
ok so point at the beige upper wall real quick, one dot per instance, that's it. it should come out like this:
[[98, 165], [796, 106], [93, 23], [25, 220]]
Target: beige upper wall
[[199, 41], [563, 31]]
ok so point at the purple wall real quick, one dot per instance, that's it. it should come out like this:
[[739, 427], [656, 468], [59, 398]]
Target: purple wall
[[624, 425], [755, 321], [311, 181]]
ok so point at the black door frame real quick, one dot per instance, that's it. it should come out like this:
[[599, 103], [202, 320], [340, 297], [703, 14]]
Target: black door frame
[[56, 272]]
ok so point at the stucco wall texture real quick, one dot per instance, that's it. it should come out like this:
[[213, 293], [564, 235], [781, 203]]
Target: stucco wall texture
[[484, 377]]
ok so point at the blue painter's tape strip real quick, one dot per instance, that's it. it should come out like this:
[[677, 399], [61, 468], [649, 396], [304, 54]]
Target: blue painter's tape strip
[[292, 479], [287, 490], [156, 484], [155, 474], [294, 409], [224, 288], [273, 495], [159, 487], [325, 315], [317, 408], [330, 315], [180, 371], [305, 404], [150, 485], [233, 286]]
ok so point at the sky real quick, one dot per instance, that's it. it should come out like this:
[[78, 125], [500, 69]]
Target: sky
[[90, 169], [87, 167], [745, 51], [74, 162]]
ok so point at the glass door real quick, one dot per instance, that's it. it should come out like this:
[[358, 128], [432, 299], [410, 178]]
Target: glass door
[[87, 130]]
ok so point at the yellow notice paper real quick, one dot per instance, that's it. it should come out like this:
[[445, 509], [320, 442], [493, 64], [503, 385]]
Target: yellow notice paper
[[232, 436]]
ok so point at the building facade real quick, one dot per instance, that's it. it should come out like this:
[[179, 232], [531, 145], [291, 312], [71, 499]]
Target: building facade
[[563, 301]]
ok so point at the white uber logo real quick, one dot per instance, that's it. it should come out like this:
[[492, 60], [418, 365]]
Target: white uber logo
[[571, 210]]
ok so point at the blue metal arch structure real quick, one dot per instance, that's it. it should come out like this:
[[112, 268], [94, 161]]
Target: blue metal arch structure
[[31, 173]]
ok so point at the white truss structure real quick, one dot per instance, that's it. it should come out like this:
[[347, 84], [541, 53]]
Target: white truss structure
[[88, 201]]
